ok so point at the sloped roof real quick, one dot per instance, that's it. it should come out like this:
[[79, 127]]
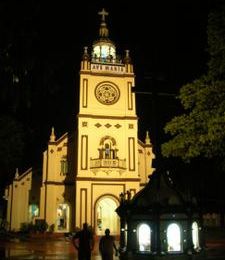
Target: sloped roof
[[159, 191]]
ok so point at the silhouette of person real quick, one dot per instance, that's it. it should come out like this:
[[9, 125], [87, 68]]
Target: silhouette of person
[[83, 241], [106, 246]]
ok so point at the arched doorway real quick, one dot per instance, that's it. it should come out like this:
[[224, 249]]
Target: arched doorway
[[106, 216], [63, 217]]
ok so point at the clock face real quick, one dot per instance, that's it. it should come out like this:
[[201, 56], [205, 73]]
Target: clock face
[[107, 94]]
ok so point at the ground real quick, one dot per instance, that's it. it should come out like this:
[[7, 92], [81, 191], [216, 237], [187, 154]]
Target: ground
[[60, 247]]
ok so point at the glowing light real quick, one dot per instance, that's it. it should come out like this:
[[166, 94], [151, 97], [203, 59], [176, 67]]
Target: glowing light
[[173, 238], [144, 238], [33, 211], [104, 51], [195, 235]]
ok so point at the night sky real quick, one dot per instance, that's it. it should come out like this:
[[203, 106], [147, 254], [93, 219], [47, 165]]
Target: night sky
[[167, 42]]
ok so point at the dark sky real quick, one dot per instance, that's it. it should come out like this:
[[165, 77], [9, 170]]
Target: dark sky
[[167, 37], [167, 42]]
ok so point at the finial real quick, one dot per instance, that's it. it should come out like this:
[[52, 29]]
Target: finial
[[147, 138], [52, 136], [127, 58], [85, 55], [85, 50], [103, 31], [17, 174]]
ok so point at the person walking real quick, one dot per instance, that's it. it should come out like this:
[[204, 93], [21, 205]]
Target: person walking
[[83, 241], [106, 246]]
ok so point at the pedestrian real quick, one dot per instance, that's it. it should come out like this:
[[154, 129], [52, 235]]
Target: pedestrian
[[106, 246], [83, 241]]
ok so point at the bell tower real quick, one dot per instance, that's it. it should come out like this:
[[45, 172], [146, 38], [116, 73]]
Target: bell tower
[[107, 155]]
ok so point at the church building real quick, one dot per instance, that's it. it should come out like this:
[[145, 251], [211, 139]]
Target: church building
[[83, 174]]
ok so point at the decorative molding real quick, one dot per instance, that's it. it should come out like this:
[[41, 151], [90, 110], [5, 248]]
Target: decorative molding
[[64, 183], [113, 140], [119, 179], [131, 75], [107, 93], [83, 207], [129, 95], [85, 93], [84, 152], [107, 117], [131, 152], [98, 125]]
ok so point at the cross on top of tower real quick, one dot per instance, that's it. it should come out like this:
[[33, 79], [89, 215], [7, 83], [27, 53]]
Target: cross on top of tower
[[103, 13]]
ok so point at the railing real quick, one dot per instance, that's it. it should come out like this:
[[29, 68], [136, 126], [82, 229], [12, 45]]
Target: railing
[[108, 163]]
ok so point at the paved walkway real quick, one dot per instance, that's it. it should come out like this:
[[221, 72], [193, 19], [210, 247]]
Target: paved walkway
[[47, 249], [62, 249]]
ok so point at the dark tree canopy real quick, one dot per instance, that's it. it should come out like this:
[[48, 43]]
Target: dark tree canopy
[[199, 131], [32, 91]]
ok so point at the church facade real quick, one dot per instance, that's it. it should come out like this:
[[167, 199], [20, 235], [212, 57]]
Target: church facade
[[83, 174]]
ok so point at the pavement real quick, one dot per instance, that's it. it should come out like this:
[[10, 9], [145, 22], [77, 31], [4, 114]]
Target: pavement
[[42, 248], [62, 248]]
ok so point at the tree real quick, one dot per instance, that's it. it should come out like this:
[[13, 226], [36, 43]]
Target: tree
[[199, 131], [11, 147], [32, 82]]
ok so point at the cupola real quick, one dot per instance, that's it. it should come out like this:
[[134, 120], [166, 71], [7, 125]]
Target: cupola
[[158, 223], [104, 49]]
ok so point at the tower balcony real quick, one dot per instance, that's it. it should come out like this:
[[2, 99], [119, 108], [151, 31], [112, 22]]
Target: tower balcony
[[107, 163]]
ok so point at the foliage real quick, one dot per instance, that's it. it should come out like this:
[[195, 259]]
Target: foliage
[[52, 228], [39, 226], [11, 145], [27, 227], [200, 130], [31, 86], [4, 225]]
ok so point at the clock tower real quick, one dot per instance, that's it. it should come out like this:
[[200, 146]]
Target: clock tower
[[107, 158]]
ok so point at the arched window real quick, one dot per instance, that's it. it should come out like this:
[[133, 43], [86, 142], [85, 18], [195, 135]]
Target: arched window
[[64, 166], [144, 238], [195, 235], [108, 148], [33, 211], [107, 151], [174, 238]]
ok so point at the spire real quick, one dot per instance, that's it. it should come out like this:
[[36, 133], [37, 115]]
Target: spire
[[147, 138], [103, 31], [104, 50], [17, 174], [127, 58], [85, 54], [52, 136]]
